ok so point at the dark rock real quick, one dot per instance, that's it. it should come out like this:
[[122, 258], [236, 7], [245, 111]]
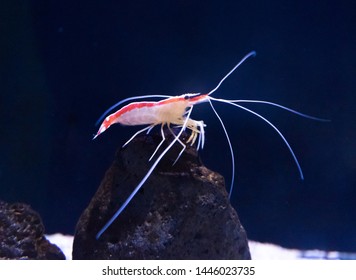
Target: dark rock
[[181, 212], [21, 234]]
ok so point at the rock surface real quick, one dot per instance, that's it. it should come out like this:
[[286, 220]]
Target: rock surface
[[21, 235], [181, 212]]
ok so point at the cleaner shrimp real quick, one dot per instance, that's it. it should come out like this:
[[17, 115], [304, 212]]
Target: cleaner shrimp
[[176, 110]]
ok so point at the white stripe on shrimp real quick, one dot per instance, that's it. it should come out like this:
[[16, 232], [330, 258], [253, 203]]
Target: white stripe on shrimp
[[176, 110]]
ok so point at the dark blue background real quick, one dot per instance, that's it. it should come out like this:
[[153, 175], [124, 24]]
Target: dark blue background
[[63, 63]]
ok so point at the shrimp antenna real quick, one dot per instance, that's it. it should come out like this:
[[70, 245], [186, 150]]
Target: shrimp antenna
[[253, 53], [148, 174], [279, 106], [230, 146], [128, 99], [271, 124]]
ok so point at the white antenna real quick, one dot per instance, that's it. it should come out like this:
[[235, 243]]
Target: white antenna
[[253, 53]]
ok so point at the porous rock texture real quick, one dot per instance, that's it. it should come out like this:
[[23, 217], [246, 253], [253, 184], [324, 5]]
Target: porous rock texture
[[181, 212], [21, 234]]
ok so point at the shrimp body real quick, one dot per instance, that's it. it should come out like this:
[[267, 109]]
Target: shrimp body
[[165, 112]]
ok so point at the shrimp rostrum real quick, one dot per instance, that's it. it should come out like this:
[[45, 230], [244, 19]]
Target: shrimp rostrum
[[176, 111]]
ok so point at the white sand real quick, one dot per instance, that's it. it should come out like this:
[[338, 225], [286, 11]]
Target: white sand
[[259, 251]]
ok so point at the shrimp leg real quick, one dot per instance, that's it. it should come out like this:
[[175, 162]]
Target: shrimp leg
[[180, 142], [148, 128]]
